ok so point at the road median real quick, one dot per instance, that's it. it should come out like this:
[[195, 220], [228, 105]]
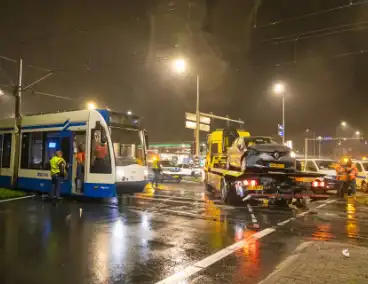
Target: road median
[[322, 262], [8, 193]]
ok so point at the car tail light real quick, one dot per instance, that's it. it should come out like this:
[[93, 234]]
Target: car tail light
[[318, 183], [250, 182]]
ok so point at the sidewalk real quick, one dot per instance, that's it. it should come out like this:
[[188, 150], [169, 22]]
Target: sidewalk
[[322, 262]]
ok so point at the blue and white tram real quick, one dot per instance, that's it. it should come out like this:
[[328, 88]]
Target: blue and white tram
[[124, 167]]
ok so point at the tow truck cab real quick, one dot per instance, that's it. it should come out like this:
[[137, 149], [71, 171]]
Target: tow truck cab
[[217, 143]]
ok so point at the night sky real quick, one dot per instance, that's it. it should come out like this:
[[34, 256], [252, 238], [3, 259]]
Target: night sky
[[118, 53]]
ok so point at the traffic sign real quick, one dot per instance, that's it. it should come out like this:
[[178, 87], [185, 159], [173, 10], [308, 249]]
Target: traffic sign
[[193, 117], [281, 133], [280, 127], [193, 125]]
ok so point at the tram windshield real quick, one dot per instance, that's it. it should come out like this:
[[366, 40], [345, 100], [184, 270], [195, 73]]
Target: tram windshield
[[129, 146]]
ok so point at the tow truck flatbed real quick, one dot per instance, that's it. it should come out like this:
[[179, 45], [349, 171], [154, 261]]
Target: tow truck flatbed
[[257, 181], [236, 185], [237, 174]]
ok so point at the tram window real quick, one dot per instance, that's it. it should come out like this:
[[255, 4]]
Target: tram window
[[100, 154], [6, 150], [25, 151], [32, 151], [36, 150]]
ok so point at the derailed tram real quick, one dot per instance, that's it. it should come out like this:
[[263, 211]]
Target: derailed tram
[[120, 168]]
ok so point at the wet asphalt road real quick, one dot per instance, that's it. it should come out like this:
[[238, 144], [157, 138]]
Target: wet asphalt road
[[151, 236]]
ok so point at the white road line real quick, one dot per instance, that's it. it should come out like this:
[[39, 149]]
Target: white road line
[[178, 197], [17, 198], [326, 203], [254, 219], [285, 222], [303, 213], [206, 262]]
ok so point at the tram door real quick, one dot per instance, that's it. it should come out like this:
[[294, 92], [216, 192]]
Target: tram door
[[63, 141]]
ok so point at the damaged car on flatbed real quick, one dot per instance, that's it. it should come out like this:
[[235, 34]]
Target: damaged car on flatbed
[[241, 167]]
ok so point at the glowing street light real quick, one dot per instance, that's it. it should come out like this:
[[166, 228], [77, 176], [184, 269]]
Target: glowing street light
[[91, 105], [343, 124], [357, 132], [1, 92], [180, 65], [129, 112], [279, 89]]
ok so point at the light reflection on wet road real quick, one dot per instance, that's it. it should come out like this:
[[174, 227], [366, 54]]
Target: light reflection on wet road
[[148, 237]]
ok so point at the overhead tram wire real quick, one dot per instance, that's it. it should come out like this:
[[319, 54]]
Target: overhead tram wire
[[82, 68], [320, 12], [12, 60], [319, 32], [325, 58]]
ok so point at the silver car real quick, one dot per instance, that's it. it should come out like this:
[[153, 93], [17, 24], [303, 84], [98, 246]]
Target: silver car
[[259, 152]]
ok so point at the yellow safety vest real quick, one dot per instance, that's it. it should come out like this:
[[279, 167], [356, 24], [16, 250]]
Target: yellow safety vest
[[155, 165], [55, 165]]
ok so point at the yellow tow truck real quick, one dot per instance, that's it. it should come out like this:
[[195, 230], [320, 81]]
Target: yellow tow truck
[[235, 185]]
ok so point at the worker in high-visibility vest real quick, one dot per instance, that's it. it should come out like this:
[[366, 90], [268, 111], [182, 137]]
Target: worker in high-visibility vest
[[156, 168], [346, 173], [352, 172], [58, 172]]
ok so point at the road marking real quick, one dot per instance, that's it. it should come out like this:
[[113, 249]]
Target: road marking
[[17, 198], [206, 262], [326, 203], [254, 219], [179, 197], [285, 222]]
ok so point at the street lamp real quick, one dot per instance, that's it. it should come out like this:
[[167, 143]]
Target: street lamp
[[279, 89], [129, 112], [91, 105], [343, 123], [357, 133], [1, 92], [180, 66]]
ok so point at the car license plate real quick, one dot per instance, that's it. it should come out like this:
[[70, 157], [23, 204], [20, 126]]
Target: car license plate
[[278, 166], [255, 187]]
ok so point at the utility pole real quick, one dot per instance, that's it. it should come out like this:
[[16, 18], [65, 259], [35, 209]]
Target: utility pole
[[283, 118], [18, 89], [197, 130], [17, 121]]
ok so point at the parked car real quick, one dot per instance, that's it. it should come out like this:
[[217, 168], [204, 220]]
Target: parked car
[[322, 166], [362, 178], [189, 170], [259, 152]]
